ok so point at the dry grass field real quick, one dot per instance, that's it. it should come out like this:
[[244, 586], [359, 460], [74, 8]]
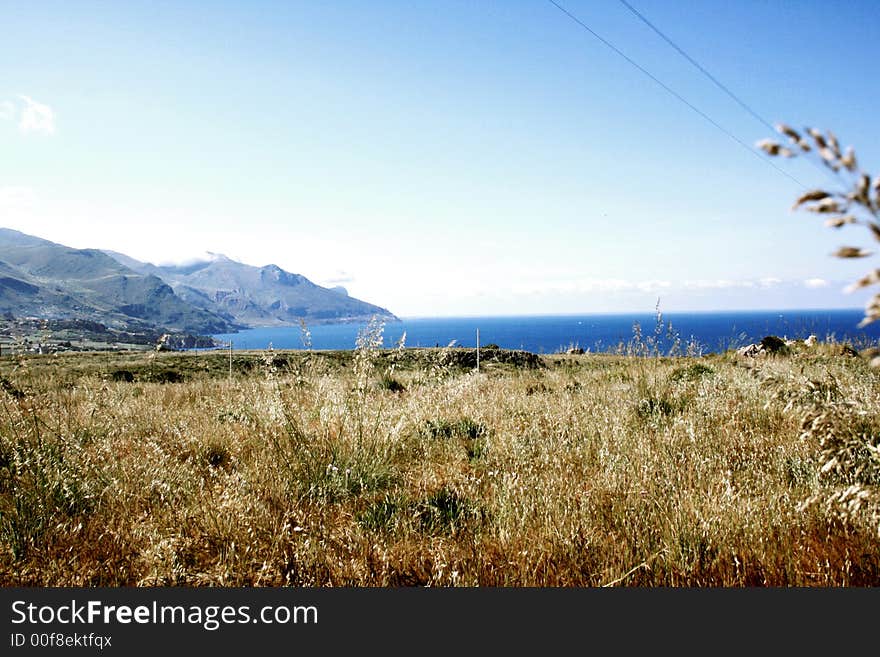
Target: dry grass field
[[407, 467]]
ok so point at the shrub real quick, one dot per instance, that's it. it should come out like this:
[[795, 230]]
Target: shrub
[[443, 510], [693, 372], [464, 427], [651, 406], [391, 384], [381, 515], [166, 376], [774, 345], [122, 375]]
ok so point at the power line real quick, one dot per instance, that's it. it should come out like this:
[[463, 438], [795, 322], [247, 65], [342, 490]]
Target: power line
[[674, 93], [714, 79], [697, 65]]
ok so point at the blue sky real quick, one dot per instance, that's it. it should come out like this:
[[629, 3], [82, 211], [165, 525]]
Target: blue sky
[[442, 158]]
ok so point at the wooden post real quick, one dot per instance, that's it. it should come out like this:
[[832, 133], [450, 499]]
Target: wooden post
[[478, 350], [230, 360]]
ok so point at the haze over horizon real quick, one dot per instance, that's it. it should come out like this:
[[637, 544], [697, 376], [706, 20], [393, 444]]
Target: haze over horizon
[[461, 158]]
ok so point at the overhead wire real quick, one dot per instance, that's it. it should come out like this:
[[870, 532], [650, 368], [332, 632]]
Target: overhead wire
[[723, 87], [674, 93], [699, 67]]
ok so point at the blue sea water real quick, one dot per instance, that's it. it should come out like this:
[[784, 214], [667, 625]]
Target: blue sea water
[[709, 332]]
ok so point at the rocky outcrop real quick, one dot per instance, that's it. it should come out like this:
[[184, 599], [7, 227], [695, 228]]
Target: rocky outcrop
[[770, 344]]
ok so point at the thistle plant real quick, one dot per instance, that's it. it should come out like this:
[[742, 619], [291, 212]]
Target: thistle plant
[[857, 201]]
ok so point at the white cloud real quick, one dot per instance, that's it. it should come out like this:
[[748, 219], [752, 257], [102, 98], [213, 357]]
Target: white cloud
[[578, 286], [653, 286], [36, 118], [7, 110], [619, 285], [720, 284], [815, 283], [769, 281]]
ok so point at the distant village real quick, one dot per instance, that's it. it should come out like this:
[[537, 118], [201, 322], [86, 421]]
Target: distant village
[[36, 335]]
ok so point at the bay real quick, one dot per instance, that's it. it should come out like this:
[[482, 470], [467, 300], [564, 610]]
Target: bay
[[706, 332]]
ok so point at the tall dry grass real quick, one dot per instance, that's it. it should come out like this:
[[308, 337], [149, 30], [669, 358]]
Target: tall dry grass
[[314, 469], [853, 198]]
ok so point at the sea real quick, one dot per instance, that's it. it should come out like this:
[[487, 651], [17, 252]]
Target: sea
[[674, 332]]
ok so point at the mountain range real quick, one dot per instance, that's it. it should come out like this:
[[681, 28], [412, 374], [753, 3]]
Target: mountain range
[[256, 296], [39, 278]]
